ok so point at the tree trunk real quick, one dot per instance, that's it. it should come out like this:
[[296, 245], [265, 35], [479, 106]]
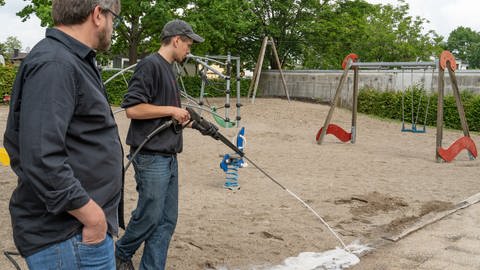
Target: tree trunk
[[273, 61], [134, 41], [132, 52]]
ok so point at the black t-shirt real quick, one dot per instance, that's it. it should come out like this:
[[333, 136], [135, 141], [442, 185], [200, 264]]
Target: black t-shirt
[[153, 82]]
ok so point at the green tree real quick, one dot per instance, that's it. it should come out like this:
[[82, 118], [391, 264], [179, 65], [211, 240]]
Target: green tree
[[374, 32], [225, 25], [3, 49], [143, 21], [40, 8], [464, 43], [12, 44], [307, 33], [395, 36]]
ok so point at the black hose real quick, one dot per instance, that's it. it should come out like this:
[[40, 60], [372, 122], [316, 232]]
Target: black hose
[[154, 132], [9, 255]]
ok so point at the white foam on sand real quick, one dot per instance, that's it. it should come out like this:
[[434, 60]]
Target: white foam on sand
[[336, 259]]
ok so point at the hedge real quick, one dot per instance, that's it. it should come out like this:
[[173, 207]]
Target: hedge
[[389, 105], [117, 87], [7, 77]]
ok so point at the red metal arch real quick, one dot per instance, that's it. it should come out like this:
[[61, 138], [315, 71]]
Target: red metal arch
[[445, 57], [339, 132], [454, 149], [352, 56]]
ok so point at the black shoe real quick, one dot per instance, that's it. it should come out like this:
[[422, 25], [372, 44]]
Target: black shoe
[[123, 265]]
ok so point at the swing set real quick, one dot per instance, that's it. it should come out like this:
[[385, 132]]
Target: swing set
[[446, 61]]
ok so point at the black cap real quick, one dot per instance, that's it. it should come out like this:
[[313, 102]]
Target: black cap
[[180, 28]]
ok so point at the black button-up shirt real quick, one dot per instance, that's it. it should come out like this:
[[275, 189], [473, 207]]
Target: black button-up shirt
[[63, 143]]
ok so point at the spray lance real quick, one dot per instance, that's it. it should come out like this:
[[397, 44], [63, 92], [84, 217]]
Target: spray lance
[[207, 128]]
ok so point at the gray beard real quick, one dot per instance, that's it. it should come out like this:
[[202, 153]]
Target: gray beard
[[104, 43]]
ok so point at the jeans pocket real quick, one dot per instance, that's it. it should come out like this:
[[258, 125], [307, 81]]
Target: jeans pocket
[[101, 243], [97, 256], [143, 161]]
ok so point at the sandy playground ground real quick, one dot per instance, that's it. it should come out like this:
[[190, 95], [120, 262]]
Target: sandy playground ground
[[374, 188]]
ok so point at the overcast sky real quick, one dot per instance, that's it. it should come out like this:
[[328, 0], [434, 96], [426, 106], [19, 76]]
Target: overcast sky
[[444, 16]]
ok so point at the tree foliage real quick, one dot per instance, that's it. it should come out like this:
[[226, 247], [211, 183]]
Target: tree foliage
[[143, 23], [224, 24], [464, 43], [307, 33], [11, 44], [40, 8]]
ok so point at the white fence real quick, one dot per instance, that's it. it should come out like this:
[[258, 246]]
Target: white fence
[[321, 84]]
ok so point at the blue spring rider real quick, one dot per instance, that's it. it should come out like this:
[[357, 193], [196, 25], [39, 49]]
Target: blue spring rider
[[232, 162]]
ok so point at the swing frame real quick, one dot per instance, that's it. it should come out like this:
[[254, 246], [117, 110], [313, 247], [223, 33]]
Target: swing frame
[[445, 62], [351, 62]]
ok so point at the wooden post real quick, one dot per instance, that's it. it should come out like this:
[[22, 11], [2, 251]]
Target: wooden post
[[334, 101], [441, 87], [274, 48], [258, 69], [354, 104], [458, 100]]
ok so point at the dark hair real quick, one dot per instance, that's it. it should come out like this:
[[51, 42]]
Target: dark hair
[[69, 12]]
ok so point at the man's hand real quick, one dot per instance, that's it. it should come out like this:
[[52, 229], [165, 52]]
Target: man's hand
[[181, 115], [94, 222]]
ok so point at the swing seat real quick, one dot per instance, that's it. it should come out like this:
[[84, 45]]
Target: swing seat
[[337, 131], [414, 129], [454, 149], [220, 121]]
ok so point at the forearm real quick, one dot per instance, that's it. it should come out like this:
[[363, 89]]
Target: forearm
[[144, 111], [90, 214], [149, 111], [94, 222]]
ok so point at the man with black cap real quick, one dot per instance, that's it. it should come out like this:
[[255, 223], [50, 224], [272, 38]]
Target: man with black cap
[[153, 98]]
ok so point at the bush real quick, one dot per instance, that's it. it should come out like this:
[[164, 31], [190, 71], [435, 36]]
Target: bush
[[117, 87], [215, 87], [389, 105], [7, 77]]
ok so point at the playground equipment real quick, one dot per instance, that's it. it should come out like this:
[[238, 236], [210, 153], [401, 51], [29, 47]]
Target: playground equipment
[[258, 69], [231, 163], [204, 62], [446, 61], [422, 92]]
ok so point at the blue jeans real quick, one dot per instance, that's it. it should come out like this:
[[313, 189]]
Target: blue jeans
[[72, 254], [155, 218]]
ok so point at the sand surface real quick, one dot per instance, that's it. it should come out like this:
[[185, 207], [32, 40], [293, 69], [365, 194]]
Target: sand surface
[[376, 187]]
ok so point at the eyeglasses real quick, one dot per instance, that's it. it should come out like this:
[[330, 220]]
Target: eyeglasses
[[117, 20]]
